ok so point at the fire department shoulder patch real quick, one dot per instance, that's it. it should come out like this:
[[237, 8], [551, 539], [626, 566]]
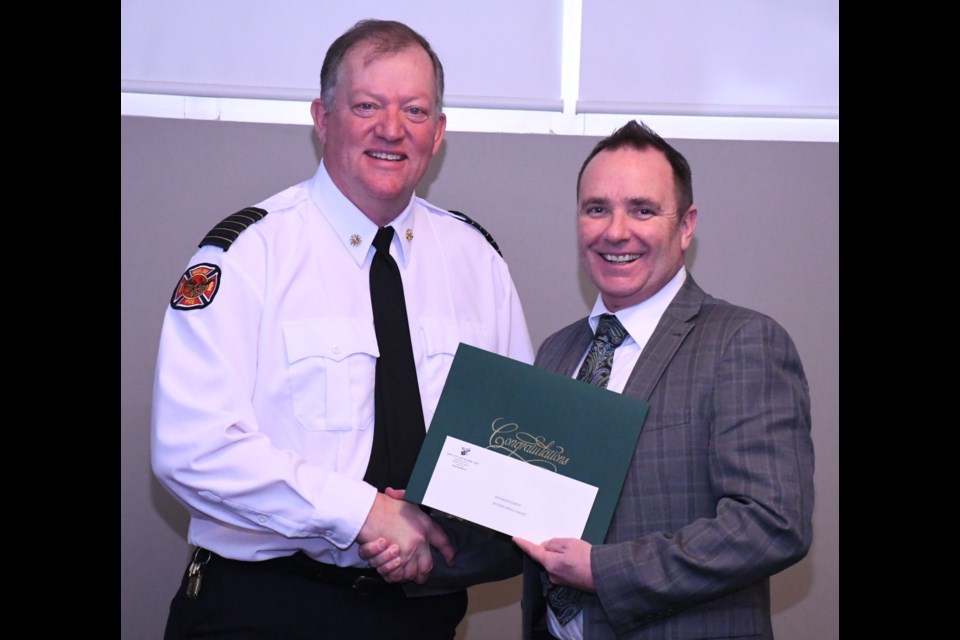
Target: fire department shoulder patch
[[197, 287]]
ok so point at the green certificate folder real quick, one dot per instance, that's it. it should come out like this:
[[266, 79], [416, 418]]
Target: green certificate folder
[[534, 418]]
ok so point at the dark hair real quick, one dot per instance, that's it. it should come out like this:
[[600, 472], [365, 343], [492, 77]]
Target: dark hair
[[639, 136], [386, 36]]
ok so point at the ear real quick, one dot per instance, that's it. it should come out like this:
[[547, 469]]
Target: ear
[[319, 112], [687, 225], [438, 136]]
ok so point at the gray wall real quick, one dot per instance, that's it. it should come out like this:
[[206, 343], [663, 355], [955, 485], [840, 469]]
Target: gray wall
[[768, 237]]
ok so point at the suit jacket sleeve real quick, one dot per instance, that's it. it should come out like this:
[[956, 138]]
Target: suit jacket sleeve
[[720, 493]]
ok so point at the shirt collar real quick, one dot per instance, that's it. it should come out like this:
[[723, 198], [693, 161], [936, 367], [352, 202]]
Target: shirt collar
[[354, 229], [641, 319]]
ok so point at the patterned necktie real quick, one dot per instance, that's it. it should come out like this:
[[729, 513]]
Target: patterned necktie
[[595, 370], [398, 425], [596, 366]]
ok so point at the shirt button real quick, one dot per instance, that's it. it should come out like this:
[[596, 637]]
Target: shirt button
[[336, 350], [262, 519]]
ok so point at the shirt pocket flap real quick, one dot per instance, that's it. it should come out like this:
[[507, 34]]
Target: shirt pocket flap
[[331, 338], [439, 336], [443, 336]]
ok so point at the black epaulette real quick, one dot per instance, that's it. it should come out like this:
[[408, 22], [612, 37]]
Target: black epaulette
[[229, 229], [476, 225]]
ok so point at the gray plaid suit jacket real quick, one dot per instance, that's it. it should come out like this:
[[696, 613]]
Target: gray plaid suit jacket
[[719, 495]]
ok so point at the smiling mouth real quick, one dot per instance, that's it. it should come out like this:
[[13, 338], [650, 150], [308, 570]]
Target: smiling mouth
[[620, 258], [382, 155]]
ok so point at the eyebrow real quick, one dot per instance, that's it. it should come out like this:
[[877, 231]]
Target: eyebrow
[[593, 201], [645, 202], [633, 202], [372, 95]]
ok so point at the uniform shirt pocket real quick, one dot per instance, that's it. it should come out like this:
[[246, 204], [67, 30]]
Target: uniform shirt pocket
[[441, 338], [331, 366]]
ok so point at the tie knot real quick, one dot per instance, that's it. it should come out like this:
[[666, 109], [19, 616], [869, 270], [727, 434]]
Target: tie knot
[[610, 330], [383, 238]]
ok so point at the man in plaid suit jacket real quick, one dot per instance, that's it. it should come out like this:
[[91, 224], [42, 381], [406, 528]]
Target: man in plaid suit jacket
[[719, 495]]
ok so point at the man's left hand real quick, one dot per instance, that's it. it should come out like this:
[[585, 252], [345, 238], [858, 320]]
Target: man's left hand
[[566, 561]]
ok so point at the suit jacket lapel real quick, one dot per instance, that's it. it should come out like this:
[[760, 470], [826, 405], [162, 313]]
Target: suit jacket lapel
[[566, 355], [678, 320]]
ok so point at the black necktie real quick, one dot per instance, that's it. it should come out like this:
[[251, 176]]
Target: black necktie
[[595, 370], [398, 415]]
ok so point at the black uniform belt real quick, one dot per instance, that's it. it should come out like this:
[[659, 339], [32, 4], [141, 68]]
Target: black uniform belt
[[362, 582]]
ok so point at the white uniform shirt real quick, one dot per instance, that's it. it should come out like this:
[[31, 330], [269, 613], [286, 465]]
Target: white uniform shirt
[[263, 402]]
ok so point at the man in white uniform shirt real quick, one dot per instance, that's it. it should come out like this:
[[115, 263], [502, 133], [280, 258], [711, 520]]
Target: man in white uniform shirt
[[263, 422]]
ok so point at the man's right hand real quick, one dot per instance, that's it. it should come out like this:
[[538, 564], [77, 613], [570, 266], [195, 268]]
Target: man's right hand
[[411, 531]]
